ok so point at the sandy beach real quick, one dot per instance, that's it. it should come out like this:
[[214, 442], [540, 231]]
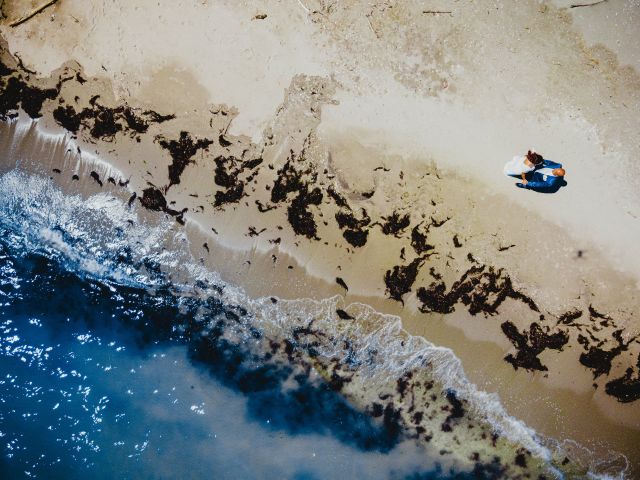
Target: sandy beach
[[313, 149]]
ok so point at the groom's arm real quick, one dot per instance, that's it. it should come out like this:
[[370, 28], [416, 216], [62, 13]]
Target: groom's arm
[[549, 184], [550, 164]]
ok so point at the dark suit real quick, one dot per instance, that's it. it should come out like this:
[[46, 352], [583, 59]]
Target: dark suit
[[542, 183]]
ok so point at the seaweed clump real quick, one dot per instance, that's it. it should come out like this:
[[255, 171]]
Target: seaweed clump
[[354, 229], [291, 180], [227, 175], [401, 278], [182, 151], [153, 199], [626, 388], [481, 289], [395, 224], [598, 359], [531, 344], [15, 93]]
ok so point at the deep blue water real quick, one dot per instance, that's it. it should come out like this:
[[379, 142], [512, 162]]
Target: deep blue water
[[100, 379]]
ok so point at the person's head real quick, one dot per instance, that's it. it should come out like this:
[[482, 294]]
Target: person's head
[[558, 172], [534, 158]]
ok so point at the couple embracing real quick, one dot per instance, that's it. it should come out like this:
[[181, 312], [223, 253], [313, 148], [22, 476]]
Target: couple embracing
[[536, 173]]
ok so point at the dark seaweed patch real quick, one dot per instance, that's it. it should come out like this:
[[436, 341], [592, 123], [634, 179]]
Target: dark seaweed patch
[[400, 279], [135, 122], [337, 198], [105, 122], [223, 141], [567, 318], [5, 70], [291, 180], [153, 199], [395, 223], [531, 344], [481, 289], [15, 92], [96, 177], [357, 238], [182, 151], [353, 229], [10, 96], [436, 299], [227, 175], [301, 219], [419, 240], [68, 118], [343, 315], [456, 410], [342, 283], [155, 117], [599, 360], [626, 388], [33, 98]]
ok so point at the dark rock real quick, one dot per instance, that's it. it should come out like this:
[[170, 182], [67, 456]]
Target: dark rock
[[96, 177], [343, 315]]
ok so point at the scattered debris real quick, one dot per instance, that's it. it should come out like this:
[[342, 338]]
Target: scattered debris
[[33, 13]]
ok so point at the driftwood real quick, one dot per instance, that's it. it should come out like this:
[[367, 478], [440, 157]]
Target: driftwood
[[436, 12], [33, 13], [577, 5]]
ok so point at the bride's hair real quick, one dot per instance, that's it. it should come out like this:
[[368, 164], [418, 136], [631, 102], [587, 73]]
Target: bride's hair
[[534, 158]]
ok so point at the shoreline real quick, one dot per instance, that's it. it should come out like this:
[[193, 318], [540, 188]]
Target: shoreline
[[280, 281]]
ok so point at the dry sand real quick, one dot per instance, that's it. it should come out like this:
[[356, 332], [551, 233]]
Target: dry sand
[[440, 102]]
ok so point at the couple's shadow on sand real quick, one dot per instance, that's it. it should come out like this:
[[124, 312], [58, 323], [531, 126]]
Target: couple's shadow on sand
[[546, 190]]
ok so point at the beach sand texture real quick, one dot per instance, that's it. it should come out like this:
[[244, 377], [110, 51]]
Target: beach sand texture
[[317, 148]]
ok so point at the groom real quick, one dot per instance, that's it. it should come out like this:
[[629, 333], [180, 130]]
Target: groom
[[546, 179]]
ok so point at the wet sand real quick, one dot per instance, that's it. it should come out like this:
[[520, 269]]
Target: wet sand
[[371, 150]]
